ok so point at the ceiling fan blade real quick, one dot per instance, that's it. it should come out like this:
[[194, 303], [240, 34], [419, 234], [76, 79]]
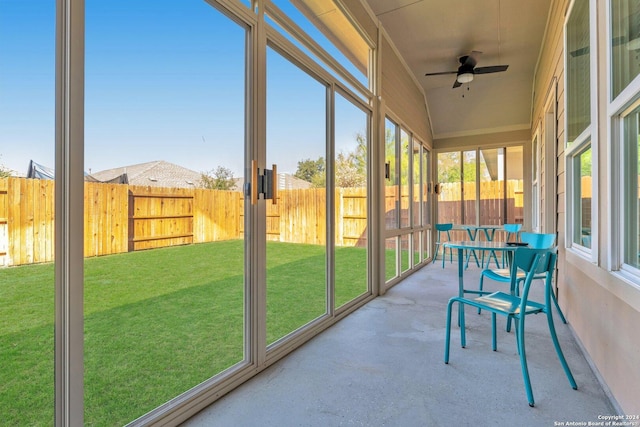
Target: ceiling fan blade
[[441, 73], [456, 84], [491, 69]]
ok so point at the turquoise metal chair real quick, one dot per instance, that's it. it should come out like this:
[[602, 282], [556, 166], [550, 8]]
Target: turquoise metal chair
[[534, 241], [443, 228], [533, 262], [538, 240], [511, 230]]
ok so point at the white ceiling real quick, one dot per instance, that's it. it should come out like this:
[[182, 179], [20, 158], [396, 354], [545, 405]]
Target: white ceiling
[[432, 34]]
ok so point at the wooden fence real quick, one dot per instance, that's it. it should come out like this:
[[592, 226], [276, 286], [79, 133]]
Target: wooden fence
[[26, 221], [121, 218], [495, 208]]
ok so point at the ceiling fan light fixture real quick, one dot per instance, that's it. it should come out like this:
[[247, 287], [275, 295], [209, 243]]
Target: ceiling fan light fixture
[[465, 77]]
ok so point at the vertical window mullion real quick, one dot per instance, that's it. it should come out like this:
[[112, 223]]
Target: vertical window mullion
[[478, 186], [69, 220], [631, 210], [462, 198], [581, 126], [631, 193]]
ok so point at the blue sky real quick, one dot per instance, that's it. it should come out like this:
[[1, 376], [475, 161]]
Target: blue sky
[[164, 81]]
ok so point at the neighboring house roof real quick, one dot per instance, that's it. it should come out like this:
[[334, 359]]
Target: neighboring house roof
[[159, 174], [286, 181], [155, 174]]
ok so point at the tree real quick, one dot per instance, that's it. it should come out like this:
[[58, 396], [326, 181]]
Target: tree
[[360, 156], [585, 163], [348, 172], [449, 167], [4, 172], [313, 171], [220, 178], [398, 166], [351, 167], [390, 155]]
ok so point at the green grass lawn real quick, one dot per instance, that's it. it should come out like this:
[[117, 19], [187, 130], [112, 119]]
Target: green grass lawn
[[390, 262], [157, 323]]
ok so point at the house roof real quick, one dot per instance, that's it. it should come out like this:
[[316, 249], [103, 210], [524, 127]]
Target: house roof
[[155, 174]]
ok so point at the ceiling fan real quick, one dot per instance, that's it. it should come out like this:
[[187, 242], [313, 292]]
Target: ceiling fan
[[468, 69]]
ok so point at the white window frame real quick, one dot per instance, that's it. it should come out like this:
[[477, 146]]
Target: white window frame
[[617, 110], [548, 145], [412, 229], [628, 271], [588, 137], [535, 181]]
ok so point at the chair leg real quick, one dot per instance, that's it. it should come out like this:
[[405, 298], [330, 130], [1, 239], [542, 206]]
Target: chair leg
[[435, 255], [556, 344], [494, 340], [463, 334], [444, 254], [480, 286], [514, 291], [555, 301], [463, 337], [447, 339], [523, 361]]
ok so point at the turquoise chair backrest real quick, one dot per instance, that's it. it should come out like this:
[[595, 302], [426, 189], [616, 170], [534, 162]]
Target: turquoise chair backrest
[[444, 227], [538, 260], [512, 228], [538, 240]]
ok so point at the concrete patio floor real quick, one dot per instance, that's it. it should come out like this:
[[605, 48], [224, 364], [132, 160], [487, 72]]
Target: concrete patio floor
[[383, 366]]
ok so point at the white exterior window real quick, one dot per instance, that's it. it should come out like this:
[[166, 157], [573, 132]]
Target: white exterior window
[[582, 203], [631, 203], [624, 36], [581, 147], [535, 190], [625, 43]]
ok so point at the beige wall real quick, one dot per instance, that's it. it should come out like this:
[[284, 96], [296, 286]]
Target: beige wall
[[602, 308]]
